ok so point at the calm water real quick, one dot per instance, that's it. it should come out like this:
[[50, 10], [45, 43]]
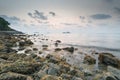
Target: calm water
[[101, 42], [99, 39]]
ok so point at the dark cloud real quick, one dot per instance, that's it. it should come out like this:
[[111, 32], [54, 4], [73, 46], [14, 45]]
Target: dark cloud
[[100, 16], [38, 15], [117, 10], [52, 13]]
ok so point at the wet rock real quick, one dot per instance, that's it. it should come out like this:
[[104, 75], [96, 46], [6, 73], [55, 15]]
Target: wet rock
[[87, 72], [35, 49], [28, 51], [89, 60], [21, 48], [56, 44], [25, 43], [109, 59], [40, 52], [109, 76], [115, 72], [52, 59], [69, 49], [12, 76], [44, 45], [58, 41], [58, 49]]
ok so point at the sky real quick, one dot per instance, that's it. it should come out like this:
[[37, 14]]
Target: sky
[[62, 15]]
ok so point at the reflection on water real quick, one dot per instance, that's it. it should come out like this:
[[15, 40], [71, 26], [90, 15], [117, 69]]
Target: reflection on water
[[101, 40]]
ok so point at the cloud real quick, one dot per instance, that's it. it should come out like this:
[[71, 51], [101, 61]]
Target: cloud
[[52, 13], [117, 10], [100, 16], [68, 24], [38, 15]]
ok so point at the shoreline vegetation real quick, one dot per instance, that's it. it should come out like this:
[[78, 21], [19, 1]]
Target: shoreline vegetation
[[20, 59]]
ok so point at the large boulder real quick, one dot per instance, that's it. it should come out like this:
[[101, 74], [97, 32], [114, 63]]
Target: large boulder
[[109, 59]]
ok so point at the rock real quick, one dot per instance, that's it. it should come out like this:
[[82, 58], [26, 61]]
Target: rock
[[21, 43], [28, 51], [35, 49], [28, 42], [87, 72], [12, 76], [64, 68], [52, 71], [73, 72], [58, 41], [69, 49], [21, 67], [52, 59], [115, 72], [89, 60], [44, 45], [109, 59], [66, 76], [40, 52], [39, 75], [109, 76], [21, 48], [57, 49], [76, 78], [56, 44], [25, 43], [50, 77]]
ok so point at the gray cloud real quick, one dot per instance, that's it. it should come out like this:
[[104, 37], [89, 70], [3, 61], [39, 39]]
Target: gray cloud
[[69, 24], [117, 10], [52, 13], [100, 16], [38, 15]]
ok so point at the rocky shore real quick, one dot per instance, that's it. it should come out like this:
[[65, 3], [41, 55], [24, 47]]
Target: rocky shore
[[66, 63]]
